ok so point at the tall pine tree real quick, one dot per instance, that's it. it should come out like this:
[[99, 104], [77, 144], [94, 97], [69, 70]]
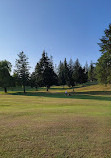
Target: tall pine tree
[[91, 72], [103, 66], [66, 73], [22, 69], [44, 72], [61, 74], [71, 69], [76, 72]]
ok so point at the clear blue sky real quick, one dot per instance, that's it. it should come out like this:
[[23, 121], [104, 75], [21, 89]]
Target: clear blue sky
[[64, 28]]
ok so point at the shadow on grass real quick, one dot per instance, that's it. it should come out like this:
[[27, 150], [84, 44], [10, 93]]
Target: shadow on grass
[[94, 95], [95, 92]]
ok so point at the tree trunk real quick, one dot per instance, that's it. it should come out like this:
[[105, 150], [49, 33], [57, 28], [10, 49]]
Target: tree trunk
[[5, 90], [24, 89]]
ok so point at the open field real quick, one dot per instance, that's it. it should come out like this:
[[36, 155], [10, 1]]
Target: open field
[[51, 125]]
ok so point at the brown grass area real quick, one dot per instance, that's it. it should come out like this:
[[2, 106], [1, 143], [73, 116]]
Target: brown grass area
[[53, 127], [59, 136], [94, 88]]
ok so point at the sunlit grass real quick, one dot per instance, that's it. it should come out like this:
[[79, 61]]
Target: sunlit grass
[[52, 125]]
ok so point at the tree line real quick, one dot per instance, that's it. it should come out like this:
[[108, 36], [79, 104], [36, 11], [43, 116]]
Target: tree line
[[44, 75], [67, 73]]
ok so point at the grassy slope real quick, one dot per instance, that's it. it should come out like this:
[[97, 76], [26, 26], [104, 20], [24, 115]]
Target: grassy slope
[[42, 124]]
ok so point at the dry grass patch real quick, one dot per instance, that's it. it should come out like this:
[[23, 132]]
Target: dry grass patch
[[59, 136], [51, 127]]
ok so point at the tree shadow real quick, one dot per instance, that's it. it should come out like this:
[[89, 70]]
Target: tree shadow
[[95, 92], [93, 95]]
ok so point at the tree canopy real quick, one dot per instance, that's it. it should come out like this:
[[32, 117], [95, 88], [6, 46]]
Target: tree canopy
[[22, 69], [44, 72], [103, 66], [5, 78]]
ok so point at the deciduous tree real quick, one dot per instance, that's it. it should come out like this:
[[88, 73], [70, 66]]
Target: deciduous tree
[[5, 78]]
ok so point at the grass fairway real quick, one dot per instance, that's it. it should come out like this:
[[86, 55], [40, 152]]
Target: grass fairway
[[52, 125]]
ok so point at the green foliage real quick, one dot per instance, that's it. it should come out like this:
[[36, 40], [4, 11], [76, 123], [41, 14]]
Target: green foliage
[[86, 67], [22, 69], [16, 79], [71, 68], [103, 69], [44, 74], [105, 44], [61, 75], [33, 81], [5, 79], [91, 73], [72, 73], [66, 73], [12, 81], [79, 74], [103, 66]]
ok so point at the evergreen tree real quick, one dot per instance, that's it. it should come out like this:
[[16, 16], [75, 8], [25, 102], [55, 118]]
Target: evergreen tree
[[84, 75], [17, 80], [103, 69], [5, 78], [76, 72], [61, 75], [22, 69], [44, 72], [66, 73], [71, 69], [105, 44], [86, 67], [91, 73], [79, 73], [33, 81], [103, 66], [38, 73], [12, 82]]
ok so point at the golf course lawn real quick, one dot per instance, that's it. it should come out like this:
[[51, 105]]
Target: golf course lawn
[[51, 125]]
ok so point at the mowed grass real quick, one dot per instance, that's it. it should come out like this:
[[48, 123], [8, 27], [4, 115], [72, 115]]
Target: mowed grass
[[51, 125]]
